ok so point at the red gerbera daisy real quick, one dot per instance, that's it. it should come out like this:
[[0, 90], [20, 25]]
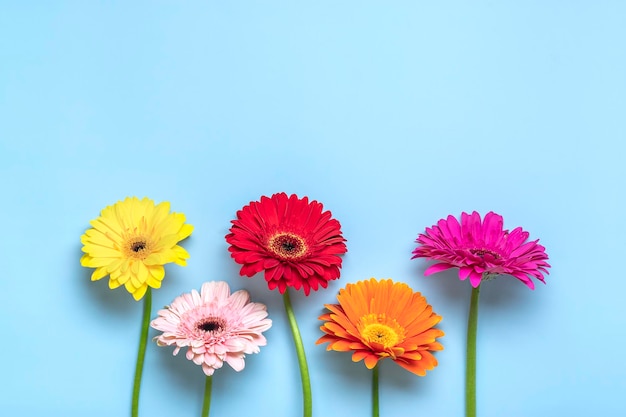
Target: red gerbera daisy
[[482, 248], [293, 240]]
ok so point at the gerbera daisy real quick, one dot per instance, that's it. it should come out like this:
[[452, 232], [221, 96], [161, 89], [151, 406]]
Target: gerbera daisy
[[379, 319], [215, 326], [131, 241], [481, 249], [293, 240], [298, 245]]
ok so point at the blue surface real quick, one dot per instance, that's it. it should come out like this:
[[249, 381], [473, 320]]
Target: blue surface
[[392, 115]]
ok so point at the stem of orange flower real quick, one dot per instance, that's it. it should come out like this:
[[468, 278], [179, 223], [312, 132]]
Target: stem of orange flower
[[206, 405], [141, 353], [470, 366], [304, 369], [375, 391]]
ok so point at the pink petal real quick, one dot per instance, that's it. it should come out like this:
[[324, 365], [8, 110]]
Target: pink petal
[[433, 269], [465, 272], [475, 278]]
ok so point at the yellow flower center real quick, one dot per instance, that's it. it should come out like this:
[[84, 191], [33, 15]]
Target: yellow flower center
[[287, 246], [137, 247], [378, 328], [380, 333]]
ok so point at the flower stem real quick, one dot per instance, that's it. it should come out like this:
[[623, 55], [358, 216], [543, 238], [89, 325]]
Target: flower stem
[[304, 370], [206, 405], [375, 391], [141, 353], [470, 367]]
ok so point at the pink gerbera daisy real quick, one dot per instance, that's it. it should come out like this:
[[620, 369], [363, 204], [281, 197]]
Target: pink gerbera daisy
[[215, 326], [481, 249]]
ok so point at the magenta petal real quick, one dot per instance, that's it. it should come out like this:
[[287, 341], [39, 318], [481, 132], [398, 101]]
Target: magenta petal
[[433, 269], [526, 280], [464, 272], [492, 228], [475, 278]]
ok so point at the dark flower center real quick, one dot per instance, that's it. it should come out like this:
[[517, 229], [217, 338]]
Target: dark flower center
[[483, 252], [211, 324], [138, 246], [287, 245]]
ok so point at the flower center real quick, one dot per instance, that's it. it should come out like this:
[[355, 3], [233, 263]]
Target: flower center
[[378, 328], [381, 334], [211, 325], [287, 245], [137, 247], [483, 252]]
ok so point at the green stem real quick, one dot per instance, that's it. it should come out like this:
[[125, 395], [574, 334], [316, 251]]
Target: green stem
[[470, 369], [206, 405], [375, 391], [141, 353], [304, 370]]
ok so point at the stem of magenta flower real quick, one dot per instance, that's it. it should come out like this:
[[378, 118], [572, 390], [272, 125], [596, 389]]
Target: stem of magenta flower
[[304, 369], [470, 366], [375, 391], [141, 353], [206, 405]]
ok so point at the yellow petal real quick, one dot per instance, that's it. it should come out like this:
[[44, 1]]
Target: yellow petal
[[142, 273], [98, 262], [140, 292], [99, 274], [113, 283], [157, 272], [97, 251], [185, 231], [153, 282]]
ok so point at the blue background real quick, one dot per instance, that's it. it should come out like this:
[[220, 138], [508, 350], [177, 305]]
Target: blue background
[[393, 114]]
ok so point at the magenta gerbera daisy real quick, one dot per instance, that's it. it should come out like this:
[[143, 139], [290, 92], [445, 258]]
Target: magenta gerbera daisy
[[292, 239], [482, 248], [214, 325]]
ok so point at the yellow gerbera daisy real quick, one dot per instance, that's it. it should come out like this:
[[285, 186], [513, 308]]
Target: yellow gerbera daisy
[[131, 241]]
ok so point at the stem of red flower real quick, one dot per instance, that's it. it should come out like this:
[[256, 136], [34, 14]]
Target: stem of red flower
[[141, 353], [470, 369], [206, 404], [375, 391], [304, 369]]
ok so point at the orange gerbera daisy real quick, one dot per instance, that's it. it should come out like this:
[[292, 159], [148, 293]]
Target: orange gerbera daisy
[[380, 318]]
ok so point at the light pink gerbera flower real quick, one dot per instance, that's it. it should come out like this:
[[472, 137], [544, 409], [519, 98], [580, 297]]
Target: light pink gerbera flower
[[215, 326], [481, 249]]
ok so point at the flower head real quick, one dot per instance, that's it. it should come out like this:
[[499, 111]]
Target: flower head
[[131, 241], [379, 319], [481, 249], [293, 240], [215, 326]]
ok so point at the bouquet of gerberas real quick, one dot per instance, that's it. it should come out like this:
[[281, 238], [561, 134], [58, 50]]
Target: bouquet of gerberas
[[298, 245]]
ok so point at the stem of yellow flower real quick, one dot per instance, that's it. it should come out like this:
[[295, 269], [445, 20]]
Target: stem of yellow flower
[[470, 369], [206, 405], [375, 391], [304, 369], [141, 353]]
